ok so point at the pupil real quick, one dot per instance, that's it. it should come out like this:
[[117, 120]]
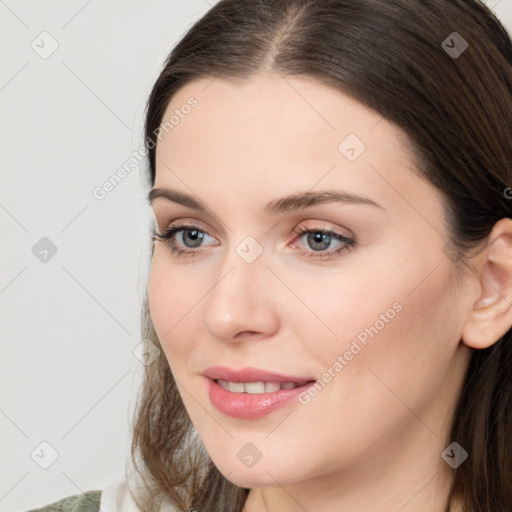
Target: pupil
[[319, 237], [194, 236]]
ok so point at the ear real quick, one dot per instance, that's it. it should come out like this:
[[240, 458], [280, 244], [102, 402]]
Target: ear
[[491, 316]]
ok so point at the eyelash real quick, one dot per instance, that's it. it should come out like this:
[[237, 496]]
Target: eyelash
[[169, 234]]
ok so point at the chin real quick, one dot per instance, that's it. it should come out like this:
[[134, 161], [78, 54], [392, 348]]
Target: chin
[[263, 473], [250, 477]]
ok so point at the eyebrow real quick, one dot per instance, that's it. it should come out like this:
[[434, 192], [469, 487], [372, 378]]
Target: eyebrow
[[297, 201]]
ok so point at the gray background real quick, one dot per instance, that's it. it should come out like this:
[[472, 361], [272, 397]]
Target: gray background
[[70, 319]]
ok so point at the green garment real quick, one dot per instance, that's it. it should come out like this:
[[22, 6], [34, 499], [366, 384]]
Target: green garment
[[86, 502]]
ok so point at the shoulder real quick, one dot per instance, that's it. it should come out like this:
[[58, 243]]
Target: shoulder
[[86, 502]]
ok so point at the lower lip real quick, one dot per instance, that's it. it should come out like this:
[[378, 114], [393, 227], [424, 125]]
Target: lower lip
[[251, 406]]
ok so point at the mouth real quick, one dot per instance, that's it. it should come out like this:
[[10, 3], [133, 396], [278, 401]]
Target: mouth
[[251, 393], [258, 388]]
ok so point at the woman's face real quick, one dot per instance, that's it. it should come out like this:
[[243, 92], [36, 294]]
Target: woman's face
[[373, 317]]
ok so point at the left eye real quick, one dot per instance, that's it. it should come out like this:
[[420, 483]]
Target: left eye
[[318, 239]]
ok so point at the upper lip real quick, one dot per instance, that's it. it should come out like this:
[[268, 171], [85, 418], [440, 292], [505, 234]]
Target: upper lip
[[250, 374]]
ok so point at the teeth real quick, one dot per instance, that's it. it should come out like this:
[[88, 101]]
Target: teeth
[[256, 388], [236, 387], [224, 384], [270, 387]]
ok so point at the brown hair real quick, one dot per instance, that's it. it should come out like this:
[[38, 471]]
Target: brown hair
[[456, 110]]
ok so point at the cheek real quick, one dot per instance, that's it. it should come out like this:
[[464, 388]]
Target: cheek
[[354, 306], [170, 308], [399, 325], [158, 298]]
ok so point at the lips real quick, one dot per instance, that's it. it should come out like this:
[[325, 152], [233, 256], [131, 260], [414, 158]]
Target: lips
[[251, 393]]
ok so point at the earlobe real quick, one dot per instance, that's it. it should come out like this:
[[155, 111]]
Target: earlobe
[[487, 301], [491, 316]]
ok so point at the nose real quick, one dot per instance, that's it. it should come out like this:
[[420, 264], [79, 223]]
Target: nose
[[242, 302]]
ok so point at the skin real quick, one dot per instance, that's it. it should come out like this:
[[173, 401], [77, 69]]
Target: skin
[[372, 438]]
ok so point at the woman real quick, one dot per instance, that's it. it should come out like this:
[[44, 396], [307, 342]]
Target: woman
[[331, 279]]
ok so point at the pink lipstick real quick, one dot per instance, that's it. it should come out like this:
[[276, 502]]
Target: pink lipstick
[[251, 393]]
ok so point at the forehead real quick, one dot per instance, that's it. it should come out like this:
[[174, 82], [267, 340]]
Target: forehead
[[288, 131], [290, 106]]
